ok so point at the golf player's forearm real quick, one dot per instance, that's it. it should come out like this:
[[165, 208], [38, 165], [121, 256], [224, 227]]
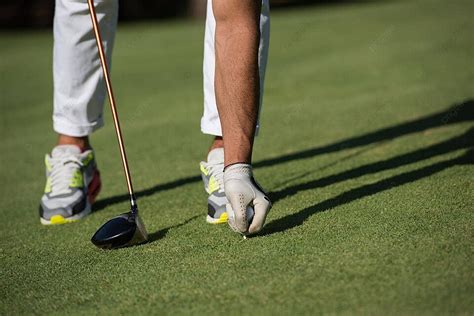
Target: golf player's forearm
[[237, 83]]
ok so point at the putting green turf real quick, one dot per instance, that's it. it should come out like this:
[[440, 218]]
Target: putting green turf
[[366, 148]]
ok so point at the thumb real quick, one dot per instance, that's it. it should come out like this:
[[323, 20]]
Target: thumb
[[261, 206]]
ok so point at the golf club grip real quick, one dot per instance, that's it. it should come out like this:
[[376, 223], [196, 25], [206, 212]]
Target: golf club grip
[[108, 83]]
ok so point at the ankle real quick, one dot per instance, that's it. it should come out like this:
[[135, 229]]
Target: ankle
[[218, 142], [81, 142]]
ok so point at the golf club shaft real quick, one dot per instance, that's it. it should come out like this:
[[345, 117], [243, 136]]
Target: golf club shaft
[[113, 108]]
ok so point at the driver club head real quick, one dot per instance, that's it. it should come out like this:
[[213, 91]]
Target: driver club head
[[124, 230]]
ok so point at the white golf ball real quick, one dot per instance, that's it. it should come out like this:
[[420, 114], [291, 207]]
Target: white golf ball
[[250, 213]]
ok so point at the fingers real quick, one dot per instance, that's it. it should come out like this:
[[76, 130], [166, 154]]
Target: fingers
[[231, 218], [261, 207], [248, 205], [238, 212]]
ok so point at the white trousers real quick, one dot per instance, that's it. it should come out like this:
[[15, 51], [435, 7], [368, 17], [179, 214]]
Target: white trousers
[[79, 87]]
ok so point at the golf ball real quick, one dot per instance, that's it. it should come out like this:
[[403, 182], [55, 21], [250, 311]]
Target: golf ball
[[250, 213]]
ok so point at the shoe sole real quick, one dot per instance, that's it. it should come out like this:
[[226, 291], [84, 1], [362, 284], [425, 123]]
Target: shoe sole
[[58, 219], [221, 220], [93, 191]]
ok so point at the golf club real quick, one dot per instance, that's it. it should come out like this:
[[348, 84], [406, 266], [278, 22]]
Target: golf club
[[126, 229]]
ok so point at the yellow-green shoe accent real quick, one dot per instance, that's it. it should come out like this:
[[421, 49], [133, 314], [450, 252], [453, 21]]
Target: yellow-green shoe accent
[[47, 187], [58, 220], [213, 185], [221, 220], [88, 159], [77, 180], [204, 170], [48, 165]]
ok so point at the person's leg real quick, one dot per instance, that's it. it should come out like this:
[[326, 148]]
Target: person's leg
[[237, 88], [73, 180], [79, 89]]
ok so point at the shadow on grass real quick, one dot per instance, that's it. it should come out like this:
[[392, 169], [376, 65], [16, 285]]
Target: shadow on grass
[[465, 140], [159, 234], [296, 219], [457, 113], [463, 112], [101, 204]]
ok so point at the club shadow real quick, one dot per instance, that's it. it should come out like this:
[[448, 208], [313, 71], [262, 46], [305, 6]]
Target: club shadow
[[103, 203], [161, 233]]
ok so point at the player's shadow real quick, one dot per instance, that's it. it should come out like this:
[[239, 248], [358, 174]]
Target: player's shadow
[[466, 140], [296, 219], [457, 113]]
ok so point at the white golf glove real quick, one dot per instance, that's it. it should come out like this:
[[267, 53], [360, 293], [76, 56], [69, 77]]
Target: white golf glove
[[248, 204]]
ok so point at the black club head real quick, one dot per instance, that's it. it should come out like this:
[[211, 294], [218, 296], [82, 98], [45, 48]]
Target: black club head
[[121, 231]]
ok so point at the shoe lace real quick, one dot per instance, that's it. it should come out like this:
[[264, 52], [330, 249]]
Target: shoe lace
[[216, 170], [62, 170]]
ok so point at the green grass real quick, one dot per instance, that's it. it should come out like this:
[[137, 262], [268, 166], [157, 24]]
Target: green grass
[[366, 148]]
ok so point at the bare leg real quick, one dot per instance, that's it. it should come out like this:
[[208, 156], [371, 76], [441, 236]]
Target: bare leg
[[237, 75], [81, 142], [218, 142]]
